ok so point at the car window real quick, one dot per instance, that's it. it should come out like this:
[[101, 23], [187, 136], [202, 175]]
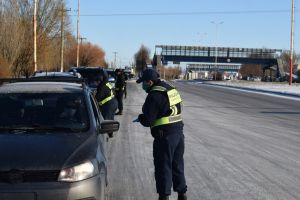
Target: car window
[[95, 111], [51, 111]]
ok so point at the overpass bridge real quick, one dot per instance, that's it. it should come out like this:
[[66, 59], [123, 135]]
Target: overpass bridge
[[267, 58]]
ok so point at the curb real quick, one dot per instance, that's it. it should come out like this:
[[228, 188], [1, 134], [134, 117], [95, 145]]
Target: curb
[[255, 90]]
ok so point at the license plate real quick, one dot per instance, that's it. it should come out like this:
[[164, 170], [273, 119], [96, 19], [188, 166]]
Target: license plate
[[17, 196]]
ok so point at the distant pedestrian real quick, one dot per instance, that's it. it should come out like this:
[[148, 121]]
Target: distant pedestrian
[[125, 90], [162, 113]]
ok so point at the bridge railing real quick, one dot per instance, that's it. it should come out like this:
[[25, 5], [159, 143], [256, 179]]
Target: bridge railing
[[226, 52]]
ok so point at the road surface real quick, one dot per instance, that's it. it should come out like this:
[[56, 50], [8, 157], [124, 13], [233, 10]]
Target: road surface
[[239, 146]]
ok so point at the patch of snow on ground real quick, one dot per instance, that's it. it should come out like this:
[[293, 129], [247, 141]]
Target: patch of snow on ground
[[283, 88]]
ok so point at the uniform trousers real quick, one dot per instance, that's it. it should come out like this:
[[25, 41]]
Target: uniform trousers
[[168, 150]]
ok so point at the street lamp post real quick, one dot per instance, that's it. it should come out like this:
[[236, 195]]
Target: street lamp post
[[216, 47]]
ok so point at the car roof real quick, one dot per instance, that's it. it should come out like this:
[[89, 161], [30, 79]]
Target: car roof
[[41, 87], [87, 68], [54, 74]]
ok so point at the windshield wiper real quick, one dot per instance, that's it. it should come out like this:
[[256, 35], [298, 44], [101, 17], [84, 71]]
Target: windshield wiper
[[57, 128], [16, 128], [37, 127]]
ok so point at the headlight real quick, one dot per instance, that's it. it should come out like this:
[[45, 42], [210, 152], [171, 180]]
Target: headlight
[[78, 173]]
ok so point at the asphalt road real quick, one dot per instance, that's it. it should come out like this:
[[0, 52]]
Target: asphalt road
[[239, 146]]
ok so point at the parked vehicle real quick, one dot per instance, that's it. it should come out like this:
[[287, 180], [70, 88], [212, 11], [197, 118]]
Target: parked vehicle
[[128, 74], [52, 142], [90, 74]]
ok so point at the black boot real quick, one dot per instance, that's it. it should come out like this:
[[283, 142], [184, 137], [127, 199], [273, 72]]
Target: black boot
[[182, 196], [163, 197]]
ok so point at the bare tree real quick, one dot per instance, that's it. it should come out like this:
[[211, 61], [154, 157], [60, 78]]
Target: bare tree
[[142, 57], [251, 70], [285, 57], [16, 37], [170, 73], [11, 33], [90, 55]]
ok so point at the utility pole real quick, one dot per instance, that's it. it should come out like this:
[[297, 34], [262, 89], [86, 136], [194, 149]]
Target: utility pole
[[34, 36], [78, 34], [292, 42], [62, 36], [216, 48], [115, 60], [80, 39]]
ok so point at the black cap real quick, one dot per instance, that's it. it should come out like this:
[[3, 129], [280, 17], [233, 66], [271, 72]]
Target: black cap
[[148, 74]]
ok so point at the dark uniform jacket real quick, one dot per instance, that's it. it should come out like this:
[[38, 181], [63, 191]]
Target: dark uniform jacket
[[120, 83], [156, 106], [103, 91]]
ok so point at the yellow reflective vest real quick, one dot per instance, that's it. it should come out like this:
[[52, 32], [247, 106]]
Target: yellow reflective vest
[[107, 99], [174, 99]]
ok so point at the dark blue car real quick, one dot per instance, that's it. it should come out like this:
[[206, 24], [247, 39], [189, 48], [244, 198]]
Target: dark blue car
[[52, 142]]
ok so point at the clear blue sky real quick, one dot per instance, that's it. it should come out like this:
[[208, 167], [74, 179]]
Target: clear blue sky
[[126, 33]]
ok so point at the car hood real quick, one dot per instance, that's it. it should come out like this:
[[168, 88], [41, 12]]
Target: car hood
[[45, 151]]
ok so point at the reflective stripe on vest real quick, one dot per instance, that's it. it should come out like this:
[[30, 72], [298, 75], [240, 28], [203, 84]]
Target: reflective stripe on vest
[[166, 120], [107, 99], [174, 98], [173, 95]]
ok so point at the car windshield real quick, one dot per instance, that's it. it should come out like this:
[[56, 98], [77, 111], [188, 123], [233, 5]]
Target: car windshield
[[47, 111], [111, 74]]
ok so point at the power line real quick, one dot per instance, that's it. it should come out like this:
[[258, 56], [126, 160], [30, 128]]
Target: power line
[[241, 12]]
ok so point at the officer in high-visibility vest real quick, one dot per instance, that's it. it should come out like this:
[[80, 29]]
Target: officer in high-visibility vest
[[119, 89], [162, 113], [105, 97]]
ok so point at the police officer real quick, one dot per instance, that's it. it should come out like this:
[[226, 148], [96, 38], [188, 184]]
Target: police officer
[[162, 113], [105, 97], [119, 89]]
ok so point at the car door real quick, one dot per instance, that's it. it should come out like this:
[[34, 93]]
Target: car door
[[102, 146], [102, 138]]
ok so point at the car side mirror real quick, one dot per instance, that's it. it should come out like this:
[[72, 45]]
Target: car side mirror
[[109, 126]]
